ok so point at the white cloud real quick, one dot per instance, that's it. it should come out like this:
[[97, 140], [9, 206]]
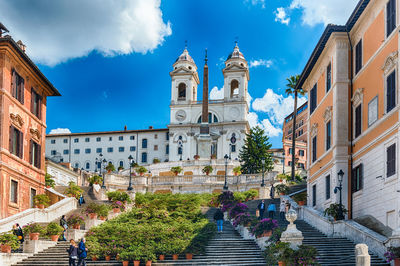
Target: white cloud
[[326, 11], [256, 2], [55, 31], [253, 119], [270, 129], [260, 62], [281, 16], [60, 131], [216, 94]]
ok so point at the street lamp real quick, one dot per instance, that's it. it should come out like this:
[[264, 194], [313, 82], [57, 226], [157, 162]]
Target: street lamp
[[262, 166], [104, 174], [226, 157], [82, 181], [283, 162], [340, 187], [130, 159]]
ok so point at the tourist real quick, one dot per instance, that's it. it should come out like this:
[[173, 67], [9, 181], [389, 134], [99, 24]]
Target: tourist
[[72, 253], [219, 217], [271, 210], [272, 192], [64, 225], [81, 200], [282, 209], [261, 209], [17, 230], [82, 252]]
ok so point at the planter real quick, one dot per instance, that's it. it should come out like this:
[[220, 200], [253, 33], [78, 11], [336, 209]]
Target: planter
[[94, 258], [103, 218], [116, 210], [136, 262], [301, 203], [5, 248], [148, 263], [76, 226], [189, 256], [196, 157], [281, 263], [34, 236], [54, 238], [125, 263], [48, 186], [397, 262], [40, 206], [161, 257], [92, 216], [282, 194], [266, 234], [108, 258], [175, 256]]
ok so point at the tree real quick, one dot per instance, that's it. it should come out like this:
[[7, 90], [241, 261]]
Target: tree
[[292, 89], [256, 147]]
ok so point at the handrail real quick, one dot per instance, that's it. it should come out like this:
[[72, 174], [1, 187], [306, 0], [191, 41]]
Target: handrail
[[297, 192]]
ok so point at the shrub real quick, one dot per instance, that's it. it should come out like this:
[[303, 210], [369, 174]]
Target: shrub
[[104, 210], [110, 167], [392, 253], [262, 226], [333, 210], [238, 208], [207, 169], [237, 170], [73, 190], [300, 197], [54, 229], [41, 199], [276, 252], [243, 219], [176, 170], [49, 180], [141, 170], [239, 196], [92, 208], [119, 196], [9, 239], [120, 168], [156, 160], [251, 194], [226, 197], [95, 179], [33, 228], [282, 189], [75, 219]]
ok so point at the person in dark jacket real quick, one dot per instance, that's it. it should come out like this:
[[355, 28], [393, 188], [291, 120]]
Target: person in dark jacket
[[64, 225], [219, 217], [82, 252], [72, 253], [17, 230], [261, 208], [272, 192]]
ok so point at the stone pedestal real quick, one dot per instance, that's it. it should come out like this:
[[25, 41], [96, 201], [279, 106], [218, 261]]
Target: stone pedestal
[[264, 192], [132, 195], [362, 256], [92, 222], [292, 235], [35, 246], [75, 234], [204, 146]]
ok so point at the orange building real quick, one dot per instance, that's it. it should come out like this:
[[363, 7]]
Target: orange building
[[353, 98], [300, 135], [23, 126]]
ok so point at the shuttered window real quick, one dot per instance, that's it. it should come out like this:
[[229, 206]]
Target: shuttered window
[[391, 160], [313, 99], [357, 178], [391, 91], [314, 149], [328, 135], [14, 191], [327, 187], [314, 195], [357, 121], [17, 86], [328, 77], [390, 17], [358, 56], [16, 142], [35, 154], [36, 104]]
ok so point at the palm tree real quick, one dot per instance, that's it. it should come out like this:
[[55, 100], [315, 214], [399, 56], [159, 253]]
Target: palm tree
[[291, 89]]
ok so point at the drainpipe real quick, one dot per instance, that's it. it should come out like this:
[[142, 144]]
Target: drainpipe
[[351, 128]]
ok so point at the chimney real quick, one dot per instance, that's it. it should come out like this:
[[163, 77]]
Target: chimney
[[150, 127], [125, 128], [21, 45], [3, 29]]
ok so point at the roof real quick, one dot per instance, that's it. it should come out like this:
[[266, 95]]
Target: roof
[[8, 39], [107, 132], [362, 4], [185, 56], [235, 54], [301, 106]]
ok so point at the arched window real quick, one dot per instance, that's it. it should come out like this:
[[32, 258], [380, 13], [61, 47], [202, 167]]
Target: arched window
[[121, 163], [76, 165], [234, 88], [144, 157], [212, 118], [87, 166], [182, 91], [144, 143]]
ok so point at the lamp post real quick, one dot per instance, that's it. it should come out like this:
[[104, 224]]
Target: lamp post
[[226, 157], [283, 162], [262, 167], [340, 187], [82, 181], [130, 159], [103, 165]]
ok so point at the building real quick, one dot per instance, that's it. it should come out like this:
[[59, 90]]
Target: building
[[352, 84], [62, 173], [300, 135], [226, 124], [23, 126]]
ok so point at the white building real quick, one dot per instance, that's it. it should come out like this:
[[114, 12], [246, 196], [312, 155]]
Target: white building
[[62, 174]]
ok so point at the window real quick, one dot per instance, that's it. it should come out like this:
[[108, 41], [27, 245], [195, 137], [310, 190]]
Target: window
[[65, 140], [33, 194], [87, 165], [76, 151], [391, 91], [53, 152], [391, 160], [180, 151], [390, 17], [313, 99], [98, 139], [328, 135], [290, 151], [234, 88], [121, 149], [121, 163], [233, 148], [358, 56], [76, 165], [16, 142], [110, 149], [167, 149], [35, 154], [156, 147], [14, 191], [155, 136], [167, 135], [132, 137], [357, 121], [65, 152], [144, 157], [87, 151], [182, 92], [144, 143], [36, 103], [76, 140], [121, 138], [212, 118], [357, 180], [132, 148], [53, 141], [327, 187], [87, 139], [110, 139], [314, 195], [301, 152], [17, 87], [99, 150], [373, 111], [314, 149], [328, 77]]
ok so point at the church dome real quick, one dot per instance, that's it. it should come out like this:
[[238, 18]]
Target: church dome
[[185, 57], [236, 54]]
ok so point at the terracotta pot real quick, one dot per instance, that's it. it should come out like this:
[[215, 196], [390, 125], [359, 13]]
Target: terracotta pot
[[54, 238], [189, 256], [148, 263], [175, 256], [34, 236], [161, 257], [5, 248], [265, 234], [116, 210], [125, 263], [397, 262], [76, 226], [92, 216], [94, 258], [281, 263], [103, 218], [41, 206], [282, 194], [136, 262], [48, 187], [301, 202], [117, 257], [108, 258]]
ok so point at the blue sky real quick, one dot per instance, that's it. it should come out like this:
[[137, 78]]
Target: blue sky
[[111, 63]]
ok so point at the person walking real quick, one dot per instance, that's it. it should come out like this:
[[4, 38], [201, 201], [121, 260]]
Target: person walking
[[282, 209], [17, 230], [272, 192], [271, 210], [261, 209], [82, 252], [219, 217], [72, 253], [64, 225], [81, 200]]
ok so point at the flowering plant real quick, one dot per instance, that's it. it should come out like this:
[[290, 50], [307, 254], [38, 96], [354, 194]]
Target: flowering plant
[[75, 219], [238, 208], [118, 204], [243, 219], [33, 228], [227, 207], [226, 197], [392, 253], [262, 226], [9, 239]]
